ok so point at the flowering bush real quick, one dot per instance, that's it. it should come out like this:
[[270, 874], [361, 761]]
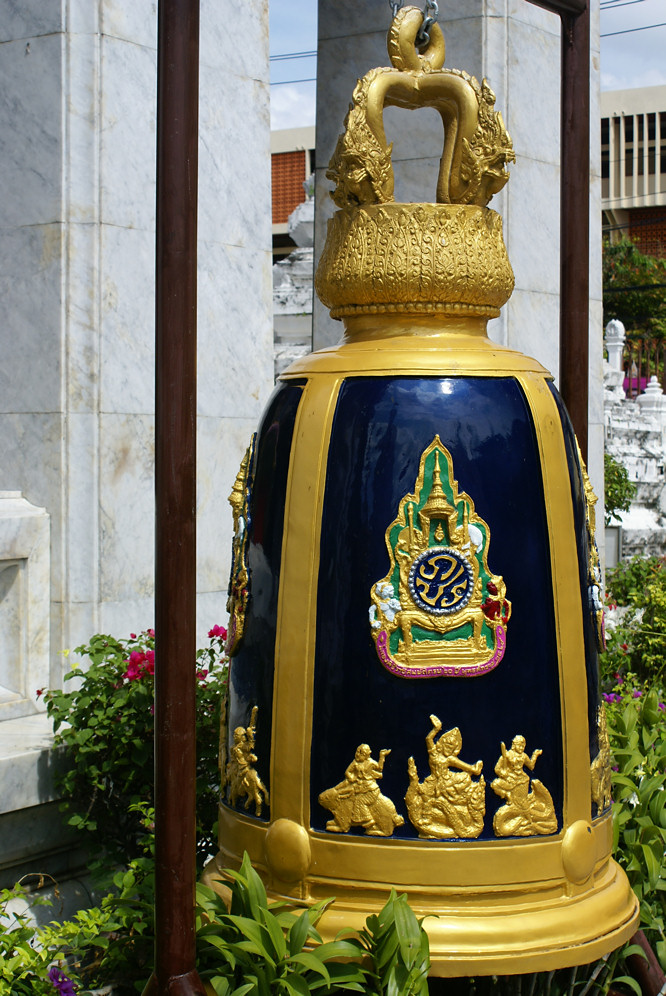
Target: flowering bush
[[104, 728]]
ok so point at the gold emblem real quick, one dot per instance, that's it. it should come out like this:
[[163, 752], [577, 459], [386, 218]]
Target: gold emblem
[[600, 770], [448, 803], [242, 778], [239, 581], [439, 610], [358, 801], [529, 809]]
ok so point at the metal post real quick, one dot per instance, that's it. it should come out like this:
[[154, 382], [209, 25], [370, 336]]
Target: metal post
[[574, 210], [175, 489], [575, 222]]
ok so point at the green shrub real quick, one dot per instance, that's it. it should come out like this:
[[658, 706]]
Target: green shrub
[[619, 491], [104, 728]]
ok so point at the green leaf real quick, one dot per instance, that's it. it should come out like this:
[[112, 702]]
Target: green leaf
[[298, 933], [627, 980], [313, 963]]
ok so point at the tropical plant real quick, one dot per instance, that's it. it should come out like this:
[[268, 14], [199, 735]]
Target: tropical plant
[[633, 289], [104, 728], [619, 491]]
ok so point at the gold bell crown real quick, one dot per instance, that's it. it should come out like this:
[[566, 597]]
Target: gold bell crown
[[446, 258]]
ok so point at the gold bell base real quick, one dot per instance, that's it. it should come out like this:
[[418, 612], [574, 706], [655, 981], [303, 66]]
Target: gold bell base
[[518, 938], [509, 907]]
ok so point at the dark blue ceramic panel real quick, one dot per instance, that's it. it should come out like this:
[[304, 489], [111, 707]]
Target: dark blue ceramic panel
[[380, 430], [251, 671], [580, 525]]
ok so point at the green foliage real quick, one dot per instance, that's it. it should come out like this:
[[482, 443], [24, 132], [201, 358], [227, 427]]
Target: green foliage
[[251, 947], [399, 951], [637, 728], [633, 289], [637, 645], [619, 491], [105, 728]]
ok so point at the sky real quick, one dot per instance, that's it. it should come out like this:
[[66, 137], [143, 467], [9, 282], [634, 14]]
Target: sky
[[628, 59]]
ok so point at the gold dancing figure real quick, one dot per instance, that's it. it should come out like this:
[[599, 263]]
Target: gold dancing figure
[[242, 778], [528, 809], [448, 803], [358, 801]]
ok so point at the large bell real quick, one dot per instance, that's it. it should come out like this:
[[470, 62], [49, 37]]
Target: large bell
[[415, 617]]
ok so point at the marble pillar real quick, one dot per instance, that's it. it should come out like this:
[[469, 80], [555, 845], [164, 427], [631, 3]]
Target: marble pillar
[[516, 45], [77, 220]]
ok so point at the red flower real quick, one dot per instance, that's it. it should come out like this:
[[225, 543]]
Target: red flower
[[218, 631], [202, 675], [132, 636], [40, 691], [151, 633]]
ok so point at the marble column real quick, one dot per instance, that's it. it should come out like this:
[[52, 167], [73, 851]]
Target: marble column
[[516, 45], [77, 130]]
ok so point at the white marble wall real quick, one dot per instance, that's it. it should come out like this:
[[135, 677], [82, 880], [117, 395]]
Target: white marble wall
[[77, 137], [517, 47]]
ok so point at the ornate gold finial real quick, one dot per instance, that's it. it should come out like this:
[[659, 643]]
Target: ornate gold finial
[[528, 810], [600, 769], [239, 580], [448, 803], [477, 146], [242, 778], [446, 258], [358, 801]]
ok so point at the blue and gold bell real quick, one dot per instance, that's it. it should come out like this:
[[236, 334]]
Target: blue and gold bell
[[415, 617]]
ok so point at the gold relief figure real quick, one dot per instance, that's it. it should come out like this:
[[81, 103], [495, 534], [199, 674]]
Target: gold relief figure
[[600, 770], [242, 778], [358, 801], [448, 803], [239, 581], [529, 808]]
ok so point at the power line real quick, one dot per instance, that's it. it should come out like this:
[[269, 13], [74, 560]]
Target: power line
[[614, 4], [310, 79], [295, 55], [629, 31]]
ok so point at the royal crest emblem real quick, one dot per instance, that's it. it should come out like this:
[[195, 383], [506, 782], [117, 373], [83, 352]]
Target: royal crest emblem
[[439, 610], [239, 580]]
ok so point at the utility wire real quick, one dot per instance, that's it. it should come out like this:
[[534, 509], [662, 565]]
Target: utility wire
[[629, 31], [310, 79], [300, 55]]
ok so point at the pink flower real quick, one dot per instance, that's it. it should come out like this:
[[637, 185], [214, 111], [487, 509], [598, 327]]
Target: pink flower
[[151, 633], [132, 636], [40, 691], [202, 675], [218, 631]]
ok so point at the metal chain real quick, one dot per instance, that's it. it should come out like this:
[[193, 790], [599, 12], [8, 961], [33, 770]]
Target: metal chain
[[423, 37], [430, 15]]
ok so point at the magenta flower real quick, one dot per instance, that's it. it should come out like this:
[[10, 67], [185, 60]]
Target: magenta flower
[[151, 633], [218, 631], [202, 675], [61, 982], [637, 694]]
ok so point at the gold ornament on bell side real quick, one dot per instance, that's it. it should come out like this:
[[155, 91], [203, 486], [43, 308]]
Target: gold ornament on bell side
[[600, 769], [528, 809], [358, 801], [242, 778], [438, 582], [447, 803], [239, 580]]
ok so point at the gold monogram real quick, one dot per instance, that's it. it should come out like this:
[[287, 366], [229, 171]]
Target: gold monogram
[[439, 582]]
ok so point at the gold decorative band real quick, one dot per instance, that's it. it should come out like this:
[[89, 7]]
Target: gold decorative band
[[416, 308], [445, 258]]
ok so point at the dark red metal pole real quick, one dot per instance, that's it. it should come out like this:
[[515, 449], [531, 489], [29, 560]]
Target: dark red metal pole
[[575, 222], [175, 489], [574, 210]]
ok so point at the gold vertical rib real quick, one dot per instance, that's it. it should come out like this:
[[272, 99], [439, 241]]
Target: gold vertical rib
[[297, 602], [566, 598]]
